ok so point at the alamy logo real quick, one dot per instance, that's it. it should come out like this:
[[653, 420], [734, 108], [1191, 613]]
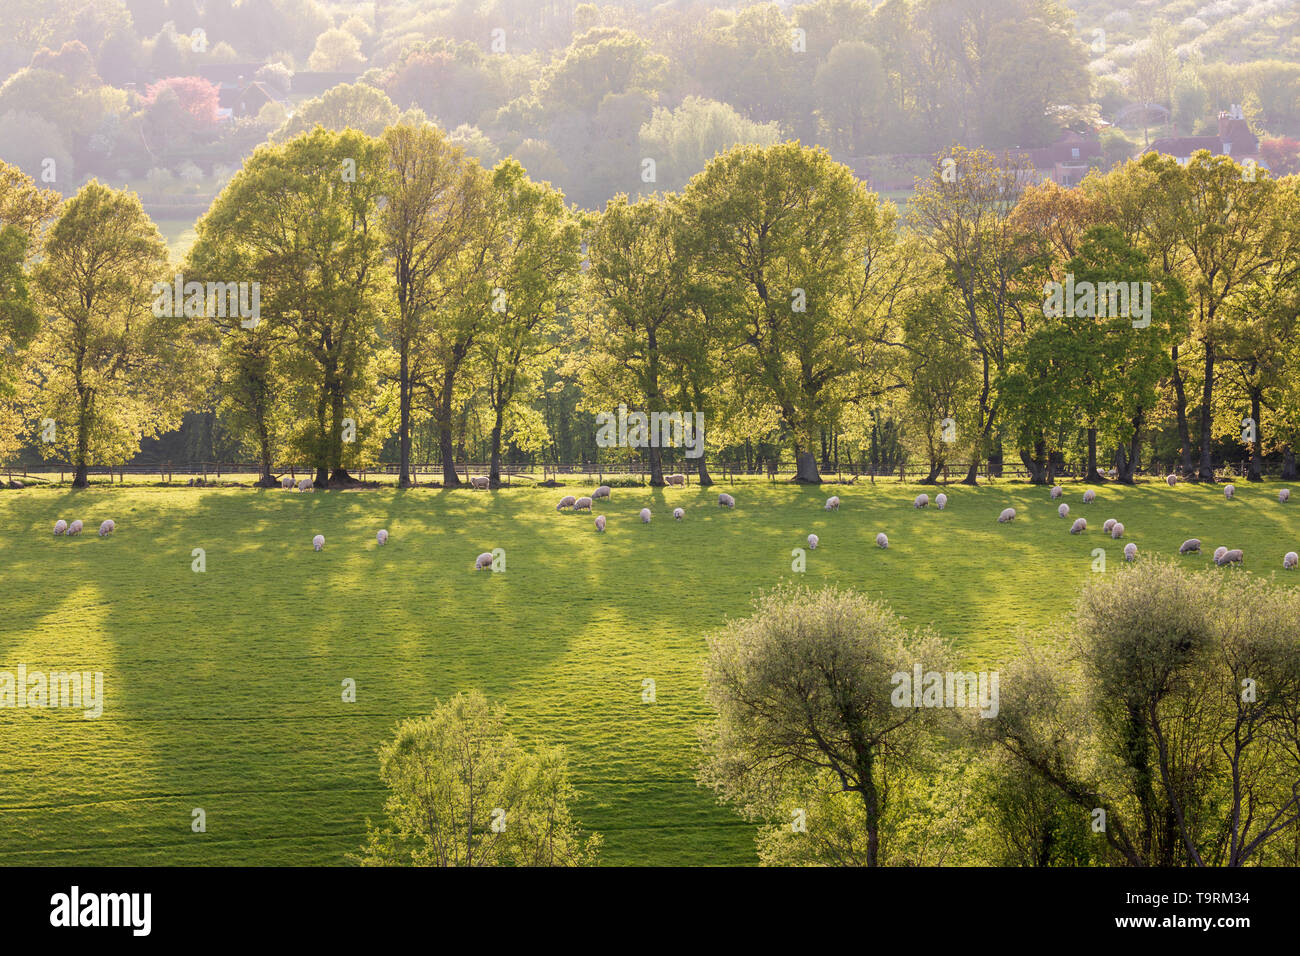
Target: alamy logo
[[133, 910], [948, 689], [1102, 300], [80, 690], [211, 300], [658, 429]]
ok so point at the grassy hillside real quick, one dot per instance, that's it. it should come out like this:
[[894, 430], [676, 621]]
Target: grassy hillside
[[224, 688]]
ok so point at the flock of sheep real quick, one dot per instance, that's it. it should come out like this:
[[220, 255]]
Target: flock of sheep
[[1113, 527], [61, 527]]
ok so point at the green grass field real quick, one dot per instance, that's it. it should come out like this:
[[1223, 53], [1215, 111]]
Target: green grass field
[[224, 688]]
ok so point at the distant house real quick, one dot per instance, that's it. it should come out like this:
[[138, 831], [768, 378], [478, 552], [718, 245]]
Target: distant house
[[312, 83], [1233, 139], [1068, 160], [246, 99]]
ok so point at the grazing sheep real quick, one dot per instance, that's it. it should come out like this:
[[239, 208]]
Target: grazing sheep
[[1289, 560], [921, 501], [1130, 551], [726, 501], [1229, 491], [1284, 495], [75, 527], [1008, 514], [813, 541], [678, 514], [306, 485], [600, 522], [107, 527], [582, 504], [1190, 546], [1117, 531], [60, 527], [1089, 496], [833, 503], [480, 482], [382, 536], [484, 560], [1064, 510], [286, 482], [881, 540], [1080, 525], [318, 542], [1218, 555], [645, 515], [1235, 556], [941, 501], [1110, 523], [601, 492], [676, 479], [1057, 491], [1171, 480], [567, 501]]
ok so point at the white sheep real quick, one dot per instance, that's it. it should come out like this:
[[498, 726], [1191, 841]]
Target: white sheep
[[601, 492], [1235, 556], [600, 522], [1080, 525], [645, 515], [1284, 495], [881, 540], [75, 527], [1109, 523], [941, 501], [1089, 496], [833, 503], [813, 541], [318, 542], [306, 485], [1229, 491], [484, 560], [1117, 530], [582, 504], [1130, 551], [60, 527], [1190, 546], [567, 501], [921, 501], [1057, 491], [480, 482], [286, 482], [1064, 510], [726, 501], [382, 536], [107, 527], [678, 514], [1218, 555], [676, 479], [1008, 514], [1289, 560], [1171, 480]]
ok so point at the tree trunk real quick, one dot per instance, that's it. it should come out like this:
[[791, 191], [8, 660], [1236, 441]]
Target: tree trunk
[[494, 465], [1256, 472], [806, 467], [450, 477], [1289, 472], [1129, 462], [1093, 475], [1180, 407], [655, 456], [1035, 464], [1206, 472], [404, 420], [703, 469]]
